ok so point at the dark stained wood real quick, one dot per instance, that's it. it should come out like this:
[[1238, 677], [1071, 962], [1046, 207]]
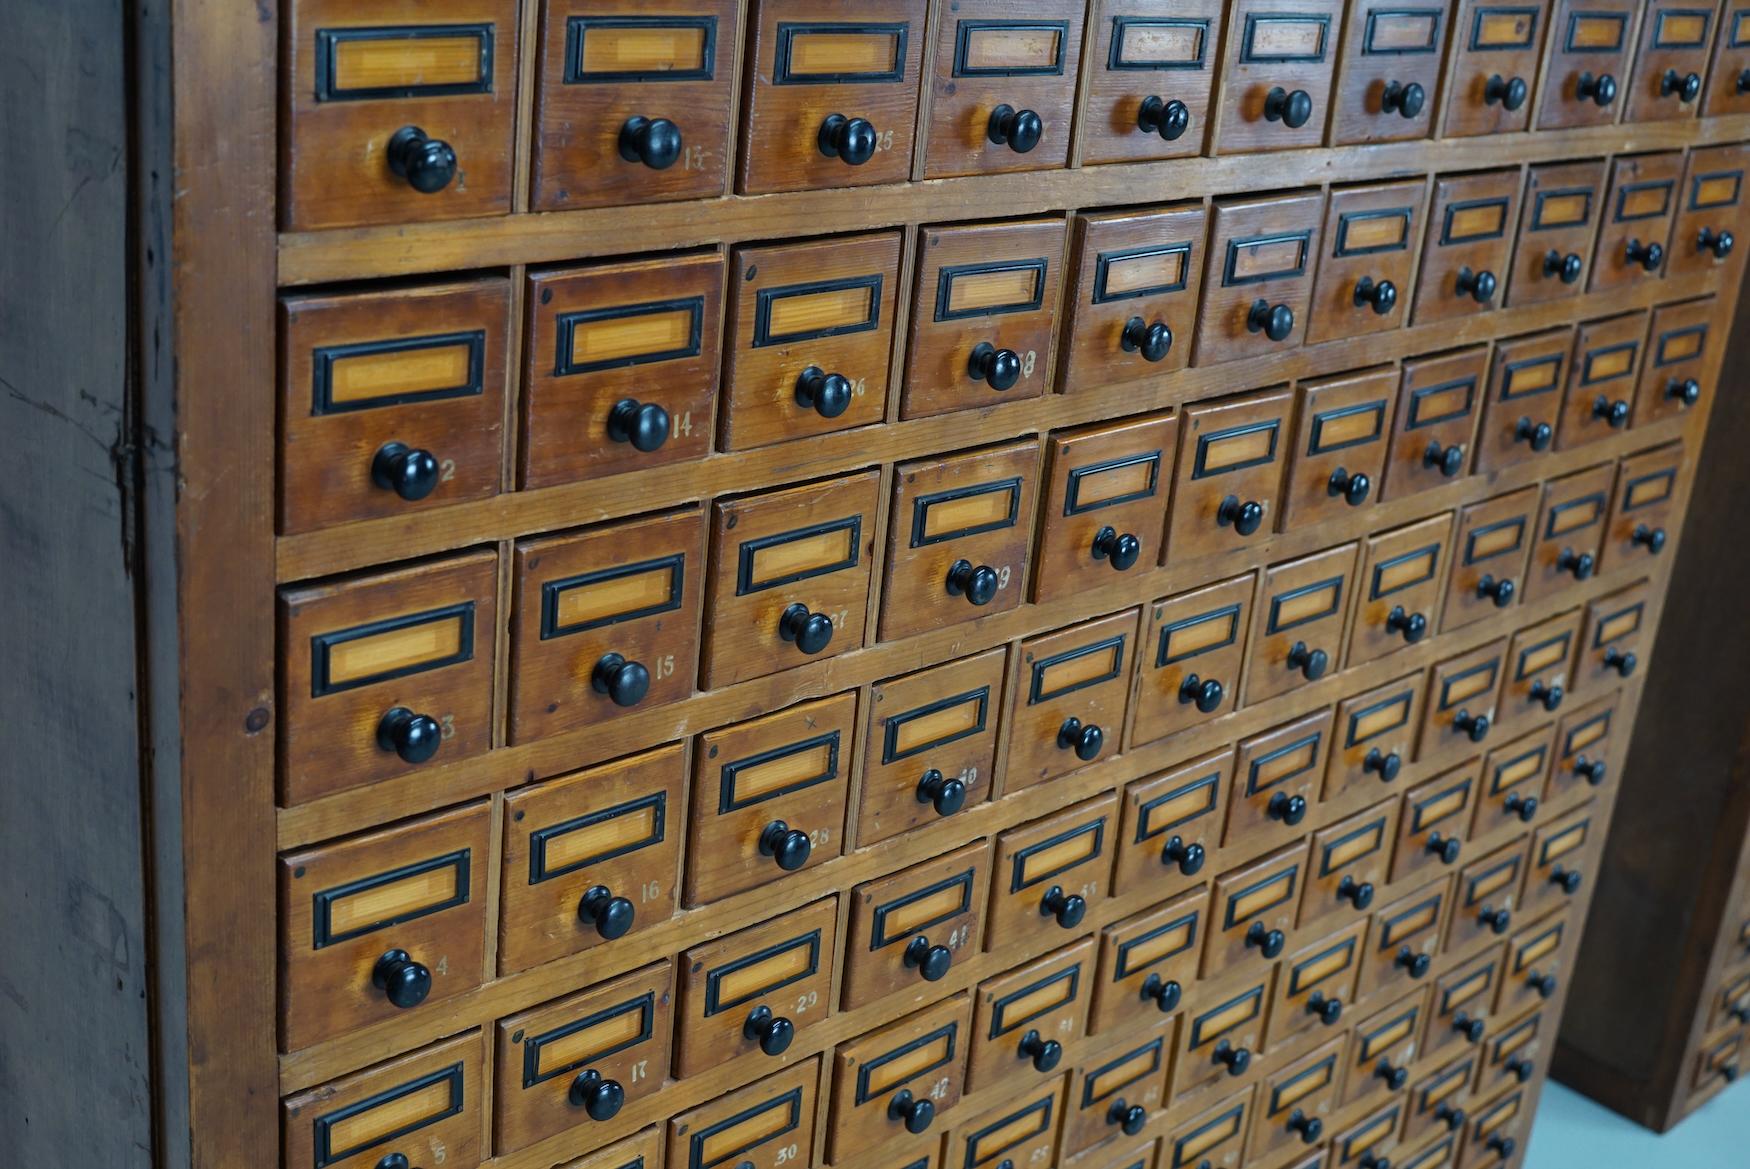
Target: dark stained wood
[[1232, 453], [1564, 203], [1590, 40], [1601, 379], [1147, 267], [1712, 200], [1675, 38], [1302, 613], [1679, 351], [1276, 44], [1489, 555], [1643, 197], [1523, 406], [1570, 529], [1370, 234], [1468, 257], [1260, 250], [1081, 673], [1143, 49], [1439, 405], [1729, 61], [1109, 480], [1197, 635]]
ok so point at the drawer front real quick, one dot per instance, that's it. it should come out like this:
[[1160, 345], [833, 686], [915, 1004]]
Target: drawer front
[[1381, 1049], [1375, 739], [1556, 228], [1570, 531], [383, 674], [1233, 457], [1515, 1051], [1342, 437], [1588, 69], [1482, 909], [1524, 405], [1468, 254], [1171, 835], [910, 927], [1439, 404], [1151, 75], [1496, 46], [1560, 860], [1601, 381], [1497, 1130], [606, 621], [769, 797], [1731, 1002], [1119, 1090], [1671, 61], [932, 747], [1071, 697], [1222, 1021], [1278, 45], [1719, 1062], [1641, 519], [1296, 1103], [1540, 667], [1617, 632], [1254, 911], [1402, 578], [1463, 696], [590, 858], [1215, 1137], [380, 924], [1489, 557], [905, 1075], [562, 1064], [1350, 861], [1403, 939], [1436, 819], [1375, 1136], [959, 537], [1147, 961], [625, 355], [1003, 87], [1132, 306], [358, 74], [1731, 58], [633, 106], [1105, 503], [1025, 1019], [1370, 238], [1537, 960], [1015, 1132], [1388, 83], [635, 1152], [1193, 650], [1586, 753], [832, 95], [1277, 776], [390, 403], [768, 1124], [1049, 873], [1440, 1153], [1710, 212], [425, 1106], [1675, 374], [1643, 199], [767, 980], [1459, 1013], [1301, 615], [1316, 984], [1258, 288], [1437, 1100]]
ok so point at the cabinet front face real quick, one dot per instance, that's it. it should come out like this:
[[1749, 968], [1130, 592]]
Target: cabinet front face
[[1586, 80], [1599, 399], [1468, 255], [1728, 89], [1439, 404], [1524, 406], [1105, 504], [1232, 461], [1301, 615], [1557, 225], [1641, 202], [1496, 48], [1071, 699], [1342, 438], [1676, 372], [1152, 66], [1259, 281], [1365, 275], [1276, 75], [1670, 61], [1388, 81], [1710, 213], [1131, 308]]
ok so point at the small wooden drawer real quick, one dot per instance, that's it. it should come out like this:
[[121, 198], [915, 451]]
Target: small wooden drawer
[[605, 621], [1277, 776], [1146, 963], [1119, 1091], [932, 746], [1222, 1033], [1403, 939], [1117, 1154], [1524, 405], [1047, 875], [1105, 503], [1469, 251], [1490, 556], [1710, 213], [769, 1124], [1370, 240], [959, 537], [1435, 422], [622, 367], [633, 106], [1070, 699], [832, 97], [1585, 753], [1015, 1132], [381, 923], [1601, 381], [1556, 229], [1276, 75], [1618, 630], [909, 927], [1459, 1014], [1437, 1100], [1588, 64], [1719, 1061], [1514, 1052], [397, 114], [751, 991], [571, 1065], [1372, 1138], [1215, 1137], [791, 577], [1670, 62], [1402, 578], [1381, 1049], [641, 1148], [1731, 58], [810, 339], [1295, 1103], [893, 1085], [1644, 197], [1316, 984], [1537, 955], [1570, 531], [1254, 912], [383, 674], [1641, 518], [1375, 739], [1342, 437], [1172, 826], [1463, 696], [1132, 306], [1731, 1004], [1151, 77], [1439, 1153], [390, 402], [1300, 621], [1351, 861], [1388, 84], [1231, 466], [427, 1107], [1495, 50], [1024, 1019], [1497, 1130], [1003, 87], [1540, 665], [590, 857], [1437, 815], [1560, 856], [1482, 909], [1259, 283], [1193, 650], [769, 797], [1675, 374]]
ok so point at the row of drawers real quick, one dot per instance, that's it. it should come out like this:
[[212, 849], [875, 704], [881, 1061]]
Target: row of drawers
[[391, 115]]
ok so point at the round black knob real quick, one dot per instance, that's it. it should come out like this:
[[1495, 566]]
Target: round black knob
[[426, 163], [1325, 1009], [1119, 549], [1388, 764], [1623, 664], [1235, 1059], [788, 846], [1291, 108], [1379, 295], [1162, 992], [1395, 1078], [1043, 1053], [1189, 857], [1205, 693], [1275, 321], [1507, 93], [1412, 626], [945, 795], [1599, 89], [1592, 771], [978, 584], [1652, 539], [772, 1032], [600, 1099], [1649, 255], [1543, 984], [1067, 909], [1128, 1117], [1536, 435], [1520, 1069], [394, 1161], [404, 982], [931, 962], [643, 424], [1743, 83], [827, 394], [1290, 810], [1740, 1013], [1505, 1147], [1152, 340], [407, 471], [1311, 663], [1567, 267], [1496, 921], [1614, 414], [1310, 1128], [1579, 565], [810, 631], [1353, 488], [1019, 130], [1474, 727], [611, 916], [1567, 880], [1243, 516], [1373, 1161], [998, 368], [1547, 696], [1448, 460], [1267, 942], [915, 1113], [655, 142], [1412, 963], [1720, 243], [1169, 119], [851, 140], [1085, 739], [414, 737], [1406, 101], [1479, 286], [1500, 591], [625, 682], [1444, 847], [1686, 87], [1729, 1073], [1356, 893], [1687, 392], [1452, 1118]]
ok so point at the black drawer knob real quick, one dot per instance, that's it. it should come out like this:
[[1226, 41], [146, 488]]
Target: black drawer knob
[[1395, 1077], [1543, 984], [1522, 807], [1354, 488], [412, 736], [1623, 663], [1597, 88], [1593, 771], [1685, 87], [1153, 340], [1547, 696], [1505, 1147], [1373, 1161], [1243, 516], [1129, 1118], [827, 394], [1740, 1013], [1648, 537], [1412, 962], [916, 1113], [1379, 295], [1536, 435], [643, 424], [1293, 108], [1578, 565], [1720, 243], [1235, 1059], [1686, 392], [1325, 1009], [1356, 893], [1567, 267], [1500, 590], [931, 962], [394, 1161], [946, 795], [1309, 1128], [655, 142], [1452, 1118], [1520, 1069], [1044, 1054], [1648, 255], [1478, 285], [600, 1099], [1444, 847], [1614, 414], [1743, 82], [1407, 101], [788, 847], [611, 917], [1288, 809], [1164, 993], [404, 982], [1310, 663], [1474, 727], [1000, 369], [1085, 739], [1508, 93], [772, 1032], [1413, 627], [1275, 321], [1120, 549], [977, 583], [1019, 130], [1066, 909], [1496, 921], [811, 632], [625, 682], [1169, 119], [407, 471], [1729, 1072], [1448, 460], [1386, 763], [1189, 857], [426, 163], [1205, 693], [1567, 880], [1266, 941], [850, 140]]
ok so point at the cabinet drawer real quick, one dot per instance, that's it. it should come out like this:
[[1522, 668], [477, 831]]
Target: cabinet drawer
[[751, 991], [1588, 63], [1675, 374], [1437, 1099], [1585, 753], [396, 112], [622, 367], [1132, 306], [1403, 574], [1459, 1013], [1719, 1061], [382, 674], [423, 1106], [1560, 858], [1437, 815], [1463, 695], [1537, 956], [1301, 615], [1119, 1090], [1440, 1153], [1638, 211], [1146, 963], [909, 927], [1070, 699], [1490, 556], [1024, 1019], [958, 538], [1495, 50], [1316, 984], [1351, 860], [1470, 245], [1436, 419], [381, 923], [1670, 61], [1403, 939], [1731, 1003], [769, 797], [1235, 453], [1151, 76], [1258, 288], [633, 106], [390, 402], [932, 746], [1003, 88], [1540, 666], [1601, 380], [1171, 835], [1276, 77], [1254, 912], [1215, 1137], [571, 1065], [895, 1084], [1710, 212], [590, 857], [1105, 503], [1641, 514], [640, 1149], [1048, 873], [1556, 229], [1496, 1131], [1364, 278], [1731, 58], [832, 97], [1374, 1137], [1514, 1051], [1125, 1153], [1193, 649], [1342, 436], [768, 1124], [1296, 1103], [1381, 1049], [1482, 909], [1277, 775], [1222, 1033], [1389, 80], [1020, 1132], [1524, 405], [606, 621], [1618, 631], [1570, 531], [1376, 737]]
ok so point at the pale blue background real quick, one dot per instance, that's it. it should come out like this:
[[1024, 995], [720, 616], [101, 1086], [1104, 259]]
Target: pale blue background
[[1571, 1132]]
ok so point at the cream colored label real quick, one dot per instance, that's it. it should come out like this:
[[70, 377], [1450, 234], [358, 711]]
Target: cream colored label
[[411, 1110], [1563, 209], [1681, 345], [1551, 651], [1581, 513], [1380, 718], [1587, 733], [1469, 987], [1443, 402], [395, 650], [1467, 686], [614, 339], [752, 783], [1537, 949], [1406, 571], [1174, 939], [1399, 32], [1619, 624], [1156, 269], [937, 1049], [940, 725], [1273, 37], [1680, 30], [795, 960], [833, 52], [1281, 765], [1446, 803], [636, 826], [998, 288], [1314, 1079], [805, 555], [1322, 966], [1651, 489], [1493, 881], [603, 600], [1023, 1126], [649, 48], [1054, 995], [1202, 633], [1128, 1070], [1161, 42], [1340, 428], [1392, 1033], [1019, 47], [1098, 665], [1531, 377], [1716, 190], [366, 377], [369, 63], [1644, 201], [1499, 1115], [1604, 364], [1414, 920], [1594, 31], [1176, 809], [1449, 1084], [1373, 232], [1476, 221], [1275, 890], [612, 1033], [773, 1118], [1053, 859], [1221, 1129], [1280, 256], [1504, 28], [1564, 842], [815, 313], [899, 920], [961, 513], [1495, 540], [1125, 479], [362, 911], [1518, 770], [1354, 846], [1291, 610], [1226, 1017]]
